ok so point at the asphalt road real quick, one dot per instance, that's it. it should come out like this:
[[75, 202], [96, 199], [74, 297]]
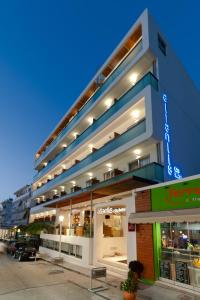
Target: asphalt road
[[41, 280]]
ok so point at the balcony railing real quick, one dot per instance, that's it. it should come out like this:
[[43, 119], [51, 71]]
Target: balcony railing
[[121, 140], [127, 97], [92, 100], [153, 172]]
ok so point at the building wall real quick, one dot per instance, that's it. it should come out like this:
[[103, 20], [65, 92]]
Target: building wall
[[183, 106], [144, 236]]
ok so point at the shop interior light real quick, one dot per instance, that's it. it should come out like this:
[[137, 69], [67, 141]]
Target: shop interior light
[[73, 182], [62, 187], [133, 78], [64, 145], [61, 219], [45, 164], [55, 191], [49, 176], [90, 174]]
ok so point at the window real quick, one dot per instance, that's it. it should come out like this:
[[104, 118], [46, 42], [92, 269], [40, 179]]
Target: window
[[162, 45], [140, 162]]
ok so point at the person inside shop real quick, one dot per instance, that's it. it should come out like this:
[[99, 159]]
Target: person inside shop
[[189, 245]]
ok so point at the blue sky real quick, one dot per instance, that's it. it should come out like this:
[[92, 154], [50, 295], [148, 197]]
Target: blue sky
[[49, 50]]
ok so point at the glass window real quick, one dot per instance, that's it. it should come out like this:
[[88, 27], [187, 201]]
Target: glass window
[[140, 162], [180, 252]]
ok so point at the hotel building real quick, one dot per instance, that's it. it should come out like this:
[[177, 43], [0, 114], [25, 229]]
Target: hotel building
[[135, 124]]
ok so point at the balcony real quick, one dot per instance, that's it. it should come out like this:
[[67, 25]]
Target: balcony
[[116, 73], [152, 172], [148, 79], [112, 173], [121, 140], [91, 181]]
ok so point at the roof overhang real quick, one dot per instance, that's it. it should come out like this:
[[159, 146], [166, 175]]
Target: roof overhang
[[179, 215]]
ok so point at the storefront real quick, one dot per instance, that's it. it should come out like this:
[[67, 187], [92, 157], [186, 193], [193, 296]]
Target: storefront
[[96, 235], [174, 217], [110, 238]]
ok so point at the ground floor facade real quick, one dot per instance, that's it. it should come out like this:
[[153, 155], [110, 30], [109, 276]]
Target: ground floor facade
[[158, 225], [96, 235]]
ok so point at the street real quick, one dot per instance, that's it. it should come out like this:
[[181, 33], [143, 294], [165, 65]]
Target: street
[[40, 280]]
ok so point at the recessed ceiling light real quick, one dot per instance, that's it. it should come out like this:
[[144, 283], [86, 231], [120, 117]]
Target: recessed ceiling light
[[108, 102], [109, 165], [75, 134], [133, 78], [137, 151], [135, 114], [90, 120]]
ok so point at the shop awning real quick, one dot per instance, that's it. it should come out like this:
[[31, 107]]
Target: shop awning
[[180, 215]]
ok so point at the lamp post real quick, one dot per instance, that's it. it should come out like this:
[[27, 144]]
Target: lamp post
[[61, 219]]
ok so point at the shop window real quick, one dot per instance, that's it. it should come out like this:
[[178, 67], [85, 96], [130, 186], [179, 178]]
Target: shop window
[[140, 162], [113, 226], [180, 253]]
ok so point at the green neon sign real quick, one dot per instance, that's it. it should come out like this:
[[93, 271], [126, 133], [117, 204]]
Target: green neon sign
[[176, 196]]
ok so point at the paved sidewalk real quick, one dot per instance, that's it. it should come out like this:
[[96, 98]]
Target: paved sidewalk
[[158, 291]]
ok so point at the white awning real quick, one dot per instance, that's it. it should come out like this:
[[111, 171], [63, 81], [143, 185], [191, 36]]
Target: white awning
[[179, 215]]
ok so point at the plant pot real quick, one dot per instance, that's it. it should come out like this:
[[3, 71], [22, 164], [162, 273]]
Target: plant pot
[[129, 296]]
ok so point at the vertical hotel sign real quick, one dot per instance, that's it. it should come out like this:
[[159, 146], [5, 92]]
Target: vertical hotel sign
[[172, 170]]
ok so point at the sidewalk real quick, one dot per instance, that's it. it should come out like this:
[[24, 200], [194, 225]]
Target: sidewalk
[[157, 291]]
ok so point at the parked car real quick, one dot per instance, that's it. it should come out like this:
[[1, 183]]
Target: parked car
[[8, 245], [25, 252], [14, 246]]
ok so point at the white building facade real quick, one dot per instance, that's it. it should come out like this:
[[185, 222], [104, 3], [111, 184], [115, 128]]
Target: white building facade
[[129, 128]]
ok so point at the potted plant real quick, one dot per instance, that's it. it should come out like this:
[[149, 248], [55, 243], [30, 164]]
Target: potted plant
[[130, 285]]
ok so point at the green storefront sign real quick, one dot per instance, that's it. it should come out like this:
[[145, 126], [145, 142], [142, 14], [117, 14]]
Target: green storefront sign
[[176, 196]]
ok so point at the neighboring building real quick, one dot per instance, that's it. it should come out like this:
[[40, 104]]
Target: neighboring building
[[135, 124], [21, 206], [167, 218], [1, 212], [6, 213]]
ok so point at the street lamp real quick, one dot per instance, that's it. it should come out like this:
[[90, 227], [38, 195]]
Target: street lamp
[[61, 219]]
